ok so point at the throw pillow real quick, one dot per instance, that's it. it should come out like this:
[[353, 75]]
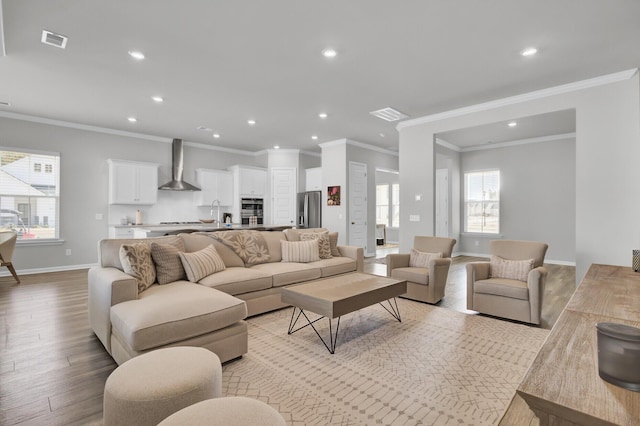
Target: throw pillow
[[510, 269], [136, 261], [300, 251], [250, 246], [324, 248], [168, 264], [420, 259], [200, 264], [333, 243]]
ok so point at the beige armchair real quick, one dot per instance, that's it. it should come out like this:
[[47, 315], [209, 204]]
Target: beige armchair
[[7, 244], [423, 284], [521, 300]]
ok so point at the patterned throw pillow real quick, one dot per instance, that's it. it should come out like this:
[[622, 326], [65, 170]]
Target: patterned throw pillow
[[249, 245], [510, 269], [324, 249], [300, 251], [168, 264], [420, 259], [136, 261], [333, 243], [200, 264]]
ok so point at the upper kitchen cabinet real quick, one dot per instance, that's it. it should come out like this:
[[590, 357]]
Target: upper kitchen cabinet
[[132, 182], [215, 185], [251, 181], [313, 179]]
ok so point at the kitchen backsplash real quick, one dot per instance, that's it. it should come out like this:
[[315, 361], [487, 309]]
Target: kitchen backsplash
[[171, 206]]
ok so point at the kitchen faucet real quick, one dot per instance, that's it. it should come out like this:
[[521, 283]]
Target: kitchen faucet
[[213, 204]]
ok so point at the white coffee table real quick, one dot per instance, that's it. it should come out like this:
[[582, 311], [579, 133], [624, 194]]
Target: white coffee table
[[334, 297]]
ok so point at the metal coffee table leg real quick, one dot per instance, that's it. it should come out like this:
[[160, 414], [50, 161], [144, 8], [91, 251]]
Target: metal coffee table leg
[[333, 337]]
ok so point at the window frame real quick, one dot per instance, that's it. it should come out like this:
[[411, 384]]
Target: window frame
[[483, 201], [392, 204], [52, 192]]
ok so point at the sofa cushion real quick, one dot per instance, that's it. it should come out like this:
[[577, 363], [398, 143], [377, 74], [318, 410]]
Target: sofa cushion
[[166, 259], [514, 289], [109, 249], [289, 273], [415, 275], [273, 238], [249, 245], [136, 261], [420, 259], [199, 240], [324, 249], [201, 263], [238, 280], [169, 313], [300, 251], [333, 244], [335, 266], [510, 269], [294, 234]]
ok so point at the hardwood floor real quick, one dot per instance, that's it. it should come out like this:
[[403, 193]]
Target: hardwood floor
[[53, 368]]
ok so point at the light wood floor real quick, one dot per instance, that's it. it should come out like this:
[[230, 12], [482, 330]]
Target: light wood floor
[[53, 368]]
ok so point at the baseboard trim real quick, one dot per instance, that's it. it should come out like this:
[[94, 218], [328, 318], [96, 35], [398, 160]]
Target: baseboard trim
[[549, 261], [50, 269]]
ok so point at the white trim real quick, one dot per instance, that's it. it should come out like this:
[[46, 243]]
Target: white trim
[[3, 47], [311, 153], [283, 150], [218, 148], [30, 151], [564, 136], [380, 169], [49, 269], [329, 144], [481, 235], [511, 100], [448, 145], [372, 147], [486, 255]]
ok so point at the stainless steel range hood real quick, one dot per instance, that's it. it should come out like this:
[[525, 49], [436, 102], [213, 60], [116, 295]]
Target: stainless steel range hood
[[177, 166]]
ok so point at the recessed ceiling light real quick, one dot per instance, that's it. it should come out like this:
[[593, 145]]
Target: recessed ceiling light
[[157, 99], [132, 119], [136, 54], [251, 122], [512, 124], [329, 53], [314, 137], [216, 135], [382, 135], [322, 115], [529, 51], [276, 147]]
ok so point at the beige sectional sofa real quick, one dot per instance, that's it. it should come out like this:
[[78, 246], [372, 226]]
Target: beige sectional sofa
[[208, 313]]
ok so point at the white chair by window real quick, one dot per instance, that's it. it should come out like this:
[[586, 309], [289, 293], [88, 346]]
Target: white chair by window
[[7, 244]]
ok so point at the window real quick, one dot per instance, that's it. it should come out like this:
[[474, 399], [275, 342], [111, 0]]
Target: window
[[29, 199], [482, 202], [388, 204], [382, 204]]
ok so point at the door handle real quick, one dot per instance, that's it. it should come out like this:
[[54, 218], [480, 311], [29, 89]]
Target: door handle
[[353, 223]]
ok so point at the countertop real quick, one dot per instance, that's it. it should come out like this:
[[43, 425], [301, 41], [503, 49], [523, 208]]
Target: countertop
[[203, 227]]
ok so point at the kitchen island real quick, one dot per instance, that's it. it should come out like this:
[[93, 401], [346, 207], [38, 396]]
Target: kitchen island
[[158, 230]]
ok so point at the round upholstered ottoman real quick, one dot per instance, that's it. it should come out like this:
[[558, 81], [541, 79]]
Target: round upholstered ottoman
[[228, 411], [148, 388]]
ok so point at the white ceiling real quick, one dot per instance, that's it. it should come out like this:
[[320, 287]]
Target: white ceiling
[[219, 63]]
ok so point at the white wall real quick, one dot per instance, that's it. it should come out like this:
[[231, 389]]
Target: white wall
[[334, 173], [607, 152], [84, 184], [537, 196], [450, 160]]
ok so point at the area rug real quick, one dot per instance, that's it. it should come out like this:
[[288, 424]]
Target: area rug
[[436, 367]]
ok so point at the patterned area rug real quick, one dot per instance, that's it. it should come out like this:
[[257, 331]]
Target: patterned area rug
[[437, 367]]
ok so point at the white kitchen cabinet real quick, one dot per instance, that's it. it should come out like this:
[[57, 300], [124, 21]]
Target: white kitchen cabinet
[[132, 182], [120, 232], [313, 179], [214, 185], [251, 181]]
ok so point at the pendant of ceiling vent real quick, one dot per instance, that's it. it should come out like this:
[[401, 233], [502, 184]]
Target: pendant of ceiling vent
[[389, 114], [54, 39]]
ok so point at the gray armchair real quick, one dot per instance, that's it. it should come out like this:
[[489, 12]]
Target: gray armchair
[[423, 284], [504, 297]]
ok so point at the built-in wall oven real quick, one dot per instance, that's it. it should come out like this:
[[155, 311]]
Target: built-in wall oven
[[251, 207]]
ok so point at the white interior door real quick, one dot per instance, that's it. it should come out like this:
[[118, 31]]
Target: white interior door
[[442, 203], [358, 205], [284, 187]]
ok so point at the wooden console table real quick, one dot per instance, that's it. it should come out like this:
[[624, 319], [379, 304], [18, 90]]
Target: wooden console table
[[562, 386]]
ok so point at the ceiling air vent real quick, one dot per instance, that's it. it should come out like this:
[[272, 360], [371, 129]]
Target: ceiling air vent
[[389, 114], [54, 39]]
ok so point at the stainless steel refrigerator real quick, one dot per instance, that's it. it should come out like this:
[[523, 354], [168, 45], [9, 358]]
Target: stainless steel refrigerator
[[309, 209]]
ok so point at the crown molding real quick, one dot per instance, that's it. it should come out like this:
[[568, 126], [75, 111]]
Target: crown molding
[[448, 145], [311, 153], [511, 100], [218, 148], [329, 144], [357, 144], [550, 138]]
